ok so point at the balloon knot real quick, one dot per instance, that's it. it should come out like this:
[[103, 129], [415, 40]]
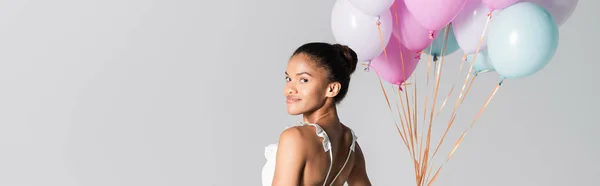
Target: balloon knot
[[367, 66], [431, 35], [435, 58], [418, 56]]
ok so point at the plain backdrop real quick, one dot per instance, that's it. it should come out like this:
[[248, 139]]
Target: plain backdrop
[[157, 92]]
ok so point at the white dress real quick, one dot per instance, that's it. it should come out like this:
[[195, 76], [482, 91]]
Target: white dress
[[268, 170]]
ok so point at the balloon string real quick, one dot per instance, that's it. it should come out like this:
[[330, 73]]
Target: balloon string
[[409, 132], [399, 113], [408, 115], [463, 59], [404, 122], [390, 107], [477, 52], [410, 123], [458, 102], [382, 40], [468, 88], [425, 105], [437, 84], [403, 136], [452, 87], [396, 12], [427, 82], [467, 130], [415, 124]]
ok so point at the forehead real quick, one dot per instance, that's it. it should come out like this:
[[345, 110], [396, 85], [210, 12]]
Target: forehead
[[302, 63]]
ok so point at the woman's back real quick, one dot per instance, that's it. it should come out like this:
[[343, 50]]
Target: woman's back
[[330, 157]]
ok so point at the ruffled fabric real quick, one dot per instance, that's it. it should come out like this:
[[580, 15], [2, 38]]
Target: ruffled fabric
[[322, 134], [271, 151]]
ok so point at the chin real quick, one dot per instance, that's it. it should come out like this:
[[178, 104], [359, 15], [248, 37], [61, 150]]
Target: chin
[[296, 109], [294, 112]]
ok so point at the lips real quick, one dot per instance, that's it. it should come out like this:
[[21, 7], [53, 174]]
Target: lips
[[292, 99]]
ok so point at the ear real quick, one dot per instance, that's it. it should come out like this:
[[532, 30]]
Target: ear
[[333, 89]]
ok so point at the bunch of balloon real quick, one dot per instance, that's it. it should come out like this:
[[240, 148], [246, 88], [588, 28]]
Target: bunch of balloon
[[521, 38], [512, 38]]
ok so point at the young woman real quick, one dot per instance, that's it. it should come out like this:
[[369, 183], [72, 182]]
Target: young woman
[[319, 150]]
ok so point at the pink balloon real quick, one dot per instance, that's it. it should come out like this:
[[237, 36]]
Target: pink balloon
[[434, 14], [498, 4], [395, 70], [561, 10], [408, 30]]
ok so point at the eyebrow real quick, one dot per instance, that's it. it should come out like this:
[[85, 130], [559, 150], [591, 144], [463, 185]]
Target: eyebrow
[[300, 73]]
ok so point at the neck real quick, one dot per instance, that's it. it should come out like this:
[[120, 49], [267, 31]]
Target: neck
[[325, 116]]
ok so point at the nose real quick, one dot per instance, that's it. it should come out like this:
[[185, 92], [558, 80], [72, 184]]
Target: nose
[[290, 89]]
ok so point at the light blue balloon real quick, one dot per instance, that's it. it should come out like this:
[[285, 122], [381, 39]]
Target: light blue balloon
[[437, 46], [482, 62], [522, 39]]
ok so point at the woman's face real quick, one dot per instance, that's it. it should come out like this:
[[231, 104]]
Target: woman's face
[[306, 85]]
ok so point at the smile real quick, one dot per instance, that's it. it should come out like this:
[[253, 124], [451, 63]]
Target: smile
[[292, 100]]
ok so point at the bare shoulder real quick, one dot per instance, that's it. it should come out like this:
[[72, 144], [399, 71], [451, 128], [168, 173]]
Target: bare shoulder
[[358, 175], [292, 136], [297, 137], [291, 156], [360, 157]]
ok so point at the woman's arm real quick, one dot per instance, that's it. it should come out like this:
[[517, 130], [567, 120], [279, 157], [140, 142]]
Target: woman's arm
[[291, 157], [358, 176]]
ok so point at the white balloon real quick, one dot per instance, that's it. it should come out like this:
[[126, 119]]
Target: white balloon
[[372, 7], [359, 31], [469, 24]]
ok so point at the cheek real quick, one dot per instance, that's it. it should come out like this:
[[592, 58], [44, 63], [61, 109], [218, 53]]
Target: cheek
[[312, 92]]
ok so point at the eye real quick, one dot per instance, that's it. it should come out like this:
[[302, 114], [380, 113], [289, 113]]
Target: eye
[[303, 80], [287, 79]]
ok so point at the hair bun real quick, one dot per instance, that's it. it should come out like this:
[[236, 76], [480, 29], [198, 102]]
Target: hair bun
[[350, 57]]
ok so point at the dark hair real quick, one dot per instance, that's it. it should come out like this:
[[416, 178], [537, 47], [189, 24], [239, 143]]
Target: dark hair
[[338, 60]]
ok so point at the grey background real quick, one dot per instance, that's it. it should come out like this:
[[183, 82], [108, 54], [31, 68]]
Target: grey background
[[136, 92]]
